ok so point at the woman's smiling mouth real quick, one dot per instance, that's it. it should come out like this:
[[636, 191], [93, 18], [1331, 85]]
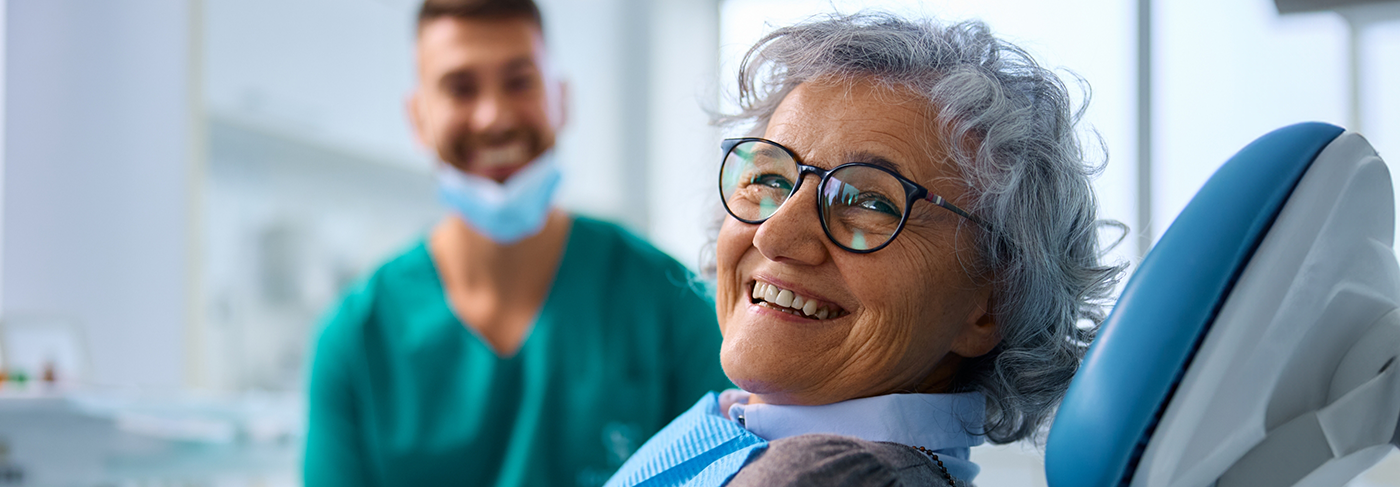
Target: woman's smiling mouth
[[777, 298]]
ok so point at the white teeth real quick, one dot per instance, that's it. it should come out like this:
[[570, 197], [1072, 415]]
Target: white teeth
[[784, 299], [507, 156], [790, 302]]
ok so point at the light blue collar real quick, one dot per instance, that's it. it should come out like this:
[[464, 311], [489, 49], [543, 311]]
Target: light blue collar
[[939, 422], [700, 448]]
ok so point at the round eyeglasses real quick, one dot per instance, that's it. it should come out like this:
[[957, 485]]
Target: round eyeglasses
[[863, 206]]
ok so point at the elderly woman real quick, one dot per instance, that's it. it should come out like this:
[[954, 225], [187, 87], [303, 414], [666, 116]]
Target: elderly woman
[[909, 264]]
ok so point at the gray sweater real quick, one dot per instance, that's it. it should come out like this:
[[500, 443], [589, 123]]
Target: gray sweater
[[821, 460]]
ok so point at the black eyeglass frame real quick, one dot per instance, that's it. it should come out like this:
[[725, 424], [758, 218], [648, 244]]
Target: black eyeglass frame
[[912, 191]]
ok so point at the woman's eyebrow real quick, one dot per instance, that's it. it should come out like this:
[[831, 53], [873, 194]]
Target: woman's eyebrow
[[872, 158], [768, 151]]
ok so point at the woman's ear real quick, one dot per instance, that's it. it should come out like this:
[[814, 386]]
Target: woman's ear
[[979, 333]]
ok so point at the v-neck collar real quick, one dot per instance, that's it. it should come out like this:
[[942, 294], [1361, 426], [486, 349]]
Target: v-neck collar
[[542, 315]]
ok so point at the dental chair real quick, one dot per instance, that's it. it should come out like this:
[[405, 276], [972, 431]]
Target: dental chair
[[1258, 343]]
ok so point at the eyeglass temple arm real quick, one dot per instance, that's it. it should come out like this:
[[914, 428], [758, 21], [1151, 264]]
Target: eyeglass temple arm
[[938, 200]]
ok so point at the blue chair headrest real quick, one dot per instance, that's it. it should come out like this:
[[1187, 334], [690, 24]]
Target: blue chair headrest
[[1133, 367]]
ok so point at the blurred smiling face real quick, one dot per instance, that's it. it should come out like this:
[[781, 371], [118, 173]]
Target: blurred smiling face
[[484, 103], [806, 322]]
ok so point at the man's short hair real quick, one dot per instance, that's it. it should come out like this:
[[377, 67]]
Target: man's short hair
[[480, 10]]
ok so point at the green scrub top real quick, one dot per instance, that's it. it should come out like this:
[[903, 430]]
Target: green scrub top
[[402, 393]]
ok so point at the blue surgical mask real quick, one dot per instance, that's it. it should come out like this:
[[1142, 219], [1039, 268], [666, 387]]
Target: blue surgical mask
[[505, 213]]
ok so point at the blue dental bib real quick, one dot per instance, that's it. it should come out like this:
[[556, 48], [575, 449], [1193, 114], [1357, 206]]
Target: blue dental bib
[[699, 449]]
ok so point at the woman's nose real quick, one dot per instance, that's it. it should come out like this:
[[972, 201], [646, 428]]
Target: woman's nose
[[794, 233]]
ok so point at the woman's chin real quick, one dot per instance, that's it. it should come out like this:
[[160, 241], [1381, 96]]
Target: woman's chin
[[768, 391], [753, 386], [748, 376]]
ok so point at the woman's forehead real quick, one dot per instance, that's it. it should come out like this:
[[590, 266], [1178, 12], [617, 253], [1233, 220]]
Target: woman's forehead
[[833, 122]]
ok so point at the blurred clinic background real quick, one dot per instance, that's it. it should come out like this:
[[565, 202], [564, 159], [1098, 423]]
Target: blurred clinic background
[[185, 185]]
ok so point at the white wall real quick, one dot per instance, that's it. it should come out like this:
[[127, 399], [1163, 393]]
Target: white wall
[[98, 188], [288, 226], [4, 7], [1379, 77], [595, 45], [683, 153], [335, 73], [1229, 72], [331, 72]]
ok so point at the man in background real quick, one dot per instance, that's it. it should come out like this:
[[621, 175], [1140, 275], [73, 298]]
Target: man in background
[[516, 344]]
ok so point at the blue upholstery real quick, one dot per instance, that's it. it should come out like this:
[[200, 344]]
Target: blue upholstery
[[1147, 342]]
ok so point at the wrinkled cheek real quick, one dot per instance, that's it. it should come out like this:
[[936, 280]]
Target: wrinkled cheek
[[735, 238], [729, 250], [877, 345]]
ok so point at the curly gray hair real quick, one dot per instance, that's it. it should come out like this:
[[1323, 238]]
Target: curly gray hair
[[1010, 129]]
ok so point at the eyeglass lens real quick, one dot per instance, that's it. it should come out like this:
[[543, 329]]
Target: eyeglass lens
[[860, 206]]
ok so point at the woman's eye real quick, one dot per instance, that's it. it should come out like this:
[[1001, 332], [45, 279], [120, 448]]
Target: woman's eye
[[775, 181], [876, 202]]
